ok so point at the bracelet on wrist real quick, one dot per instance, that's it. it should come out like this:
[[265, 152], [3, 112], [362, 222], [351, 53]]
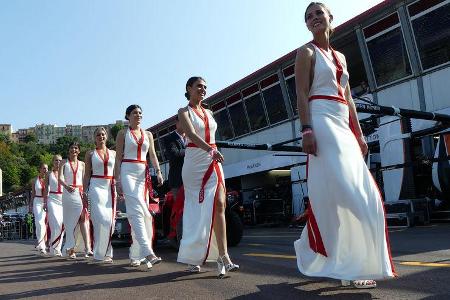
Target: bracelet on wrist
[[307, 131], [306, 127], [211, 151]]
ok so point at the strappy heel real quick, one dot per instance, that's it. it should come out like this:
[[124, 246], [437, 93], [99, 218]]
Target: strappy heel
[[224, 268], [360, 284]]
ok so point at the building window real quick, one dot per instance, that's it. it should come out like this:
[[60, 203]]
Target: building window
[[289, 77], [273, 99], [237, 115], [387, 51], [430, 21], [255, 108], [224, 130]]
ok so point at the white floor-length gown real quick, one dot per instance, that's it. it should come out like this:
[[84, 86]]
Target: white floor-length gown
[[72, 204], [202, 178], [40, 215], [55, 214], [135, 187], [102, 203], [346, 235]]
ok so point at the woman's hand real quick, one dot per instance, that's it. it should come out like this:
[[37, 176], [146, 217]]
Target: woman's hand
[[160, 178], [217, 156], [119, 191], [70, 189], [84, 198], [362, 144], [309, 144]]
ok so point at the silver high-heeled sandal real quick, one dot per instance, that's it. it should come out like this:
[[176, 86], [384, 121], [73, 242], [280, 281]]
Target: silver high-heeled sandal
[[224, 268]]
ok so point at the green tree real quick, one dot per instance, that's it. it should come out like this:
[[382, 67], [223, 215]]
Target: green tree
[[115, 130], [5, 138], [30, 138]]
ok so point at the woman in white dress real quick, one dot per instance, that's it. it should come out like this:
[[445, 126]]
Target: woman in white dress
[[74, 213], [204, 229], [39, 208], [98, 186], [346, 236], [54, 207], [133, 180]]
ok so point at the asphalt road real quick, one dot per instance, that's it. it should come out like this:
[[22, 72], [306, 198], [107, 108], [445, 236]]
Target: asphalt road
[[268, 271]]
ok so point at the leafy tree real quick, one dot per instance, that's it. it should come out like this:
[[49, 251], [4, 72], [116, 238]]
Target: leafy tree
[[30, 138], [5, 138], [115, 130]]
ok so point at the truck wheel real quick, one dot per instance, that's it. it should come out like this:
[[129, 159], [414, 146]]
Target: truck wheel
[[235, 229]]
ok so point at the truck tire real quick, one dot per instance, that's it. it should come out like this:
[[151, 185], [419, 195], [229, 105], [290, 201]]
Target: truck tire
[[235, 229]]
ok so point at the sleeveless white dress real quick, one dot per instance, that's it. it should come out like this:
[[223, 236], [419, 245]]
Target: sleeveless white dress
[[40, 215], [102, 203], [72, 203], [135, 187], [55, 213], [201, 179], [346, 235]]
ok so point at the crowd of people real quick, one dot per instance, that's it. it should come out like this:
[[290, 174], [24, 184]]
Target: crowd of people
[[345, 235]]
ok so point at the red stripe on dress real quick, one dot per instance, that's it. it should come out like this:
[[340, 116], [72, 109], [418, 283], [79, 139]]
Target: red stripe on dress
[[74, 172], [138, 142], [205, 120], [216, 196], [59, 236], [338, 65], [327, 97], [314, 236], [102, 177], [208, 173], [105, 161], [134, 161]]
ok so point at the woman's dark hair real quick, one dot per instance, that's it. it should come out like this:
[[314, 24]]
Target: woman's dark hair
[[74, 143], [190, 82], [130, 109]]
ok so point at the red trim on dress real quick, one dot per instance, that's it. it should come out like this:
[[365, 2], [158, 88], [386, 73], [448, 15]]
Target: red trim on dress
[[327, 97], [205, 120], [58, 237], [138, 142], [338, 65], [213, 167], [105, 161], [216, 196], [314, 236]]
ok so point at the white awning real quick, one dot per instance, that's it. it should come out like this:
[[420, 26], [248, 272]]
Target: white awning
[[262, 163]]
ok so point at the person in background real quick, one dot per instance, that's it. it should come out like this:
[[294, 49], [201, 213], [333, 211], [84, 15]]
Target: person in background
[[74, 213], [39, 208], [133, 181], [98, 187], [175, 146], [54, 204]]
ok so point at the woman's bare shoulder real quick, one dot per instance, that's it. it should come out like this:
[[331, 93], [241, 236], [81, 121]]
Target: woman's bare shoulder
[[307, 50], [183, 110]]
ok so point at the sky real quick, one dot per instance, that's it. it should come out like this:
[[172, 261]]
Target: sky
[[84, 61]]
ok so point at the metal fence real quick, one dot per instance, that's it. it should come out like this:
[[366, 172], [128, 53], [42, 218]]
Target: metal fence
[[15, 229]]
